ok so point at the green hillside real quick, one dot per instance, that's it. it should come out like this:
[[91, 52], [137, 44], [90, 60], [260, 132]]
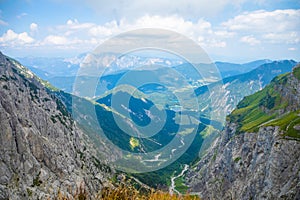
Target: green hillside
[[270, 107], [296, 72]]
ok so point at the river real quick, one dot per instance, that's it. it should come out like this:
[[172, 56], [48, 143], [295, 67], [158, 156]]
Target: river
[[172, 187]]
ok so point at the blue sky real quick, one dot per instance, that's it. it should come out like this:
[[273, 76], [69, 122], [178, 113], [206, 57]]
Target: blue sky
[[228, 30]]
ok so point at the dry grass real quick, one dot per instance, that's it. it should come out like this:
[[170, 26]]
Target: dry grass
[[123, 192]]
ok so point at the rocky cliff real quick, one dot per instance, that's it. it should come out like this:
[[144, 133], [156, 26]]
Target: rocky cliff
[[42, 150], [257, 155]]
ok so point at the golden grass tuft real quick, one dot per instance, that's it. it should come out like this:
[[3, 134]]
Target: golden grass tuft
[[123, 192]]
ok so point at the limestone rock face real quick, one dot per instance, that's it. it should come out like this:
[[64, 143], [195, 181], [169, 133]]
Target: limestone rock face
[[253, 165], [42, 150], [259, 165]]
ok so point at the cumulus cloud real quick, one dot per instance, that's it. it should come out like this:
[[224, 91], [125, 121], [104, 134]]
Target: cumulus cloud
[[279, 26], [291, 37], [21, 15], [56, 40], [250, 40], [73, 27], [173, 22], [63, 42], [265, 21], [259, 27], [225, 34], [108, 29], [292, 49], [193, 30], [12, 38], [33, 27], [90, 33]]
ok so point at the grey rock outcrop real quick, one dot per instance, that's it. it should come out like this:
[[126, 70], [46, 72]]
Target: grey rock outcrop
[[42, 150], [259, 165], [252, 165]]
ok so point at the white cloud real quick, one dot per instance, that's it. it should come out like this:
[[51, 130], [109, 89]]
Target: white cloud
[[265, 21], [56, 40], [67, 42], [113, 27], [250, 40], [291, 37], [275, 27], [292, 49], [21, 15], [73, 27], [25, 38], [33, 27], [84, 35], [194, 30], [108, 29], [71, 22], [225, 34], [74, 32], [216, 43], [12, 38]]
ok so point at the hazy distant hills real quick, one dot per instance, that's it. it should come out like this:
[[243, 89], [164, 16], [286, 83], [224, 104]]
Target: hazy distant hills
[[52, 67], [61, 72], [55, 67], [236, 87], [231, 69], [45, 67]]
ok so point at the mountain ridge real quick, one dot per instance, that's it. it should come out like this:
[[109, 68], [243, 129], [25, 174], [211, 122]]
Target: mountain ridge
[[231, 90], [43, 151], [260, 163]]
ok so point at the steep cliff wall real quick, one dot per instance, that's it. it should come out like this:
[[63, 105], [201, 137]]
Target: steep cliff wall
[[258, 154], [41, 148]]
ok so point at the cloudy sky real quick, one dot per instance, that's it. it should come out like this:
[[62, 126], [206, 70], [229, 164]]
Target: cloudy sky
[[228, 30]]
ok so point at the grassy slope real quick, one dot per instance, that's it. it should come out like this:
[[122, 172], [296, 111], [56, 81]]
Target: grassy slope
[[296, 72], [261, 109]]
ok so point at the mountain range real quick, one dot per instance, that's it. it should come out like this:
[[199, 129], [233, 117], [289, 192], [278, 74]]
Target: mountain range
[[61, 72], [53, 140]]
